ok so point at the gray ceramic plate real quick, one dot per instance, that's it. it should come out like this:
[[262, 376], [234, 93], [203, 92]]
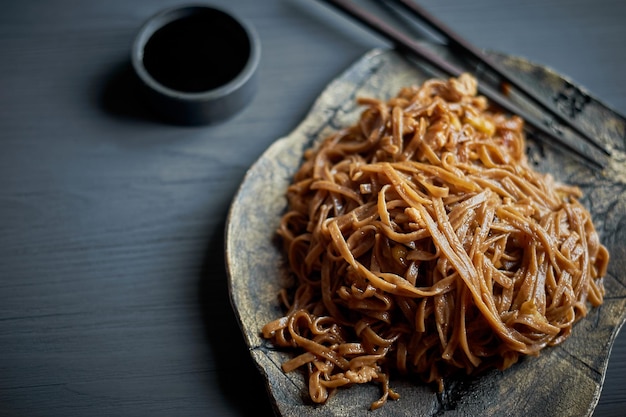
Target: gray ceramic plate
[[565, 380]]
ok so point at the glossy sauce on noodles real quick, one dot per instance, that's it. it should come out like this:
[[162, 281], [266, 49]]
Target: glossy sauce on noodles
[[422, 242]]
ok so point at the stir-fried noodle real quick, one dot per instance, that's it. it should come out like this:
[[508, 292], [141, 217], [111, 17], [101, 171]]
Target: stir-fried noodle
[[422, 242]]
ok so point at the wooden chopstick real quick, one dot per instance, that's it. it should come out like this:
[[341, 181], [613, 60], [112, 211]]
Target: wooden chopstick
[[408, 45], [457, 41]]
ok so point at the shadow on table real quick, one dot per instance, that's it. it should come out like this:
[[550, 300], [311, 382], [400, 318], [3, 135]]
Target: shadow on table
[[240, 382], [121, 96]]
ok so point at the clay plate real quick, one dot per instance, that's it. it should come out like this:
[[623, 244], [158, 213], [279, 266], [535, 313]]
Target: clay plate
[[565, 380]]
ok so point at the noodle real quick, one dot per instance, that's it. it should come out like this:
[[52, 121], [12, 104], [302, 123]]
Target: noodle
[[423, 243]]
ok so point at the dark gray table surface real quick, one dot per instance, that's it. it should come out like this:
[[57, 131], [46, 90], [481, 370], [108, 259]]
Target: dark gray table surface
[[113, 294]]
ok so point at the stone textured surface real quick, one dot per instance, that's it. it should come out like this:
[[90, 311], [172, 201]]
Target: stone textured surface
[[562, 381]]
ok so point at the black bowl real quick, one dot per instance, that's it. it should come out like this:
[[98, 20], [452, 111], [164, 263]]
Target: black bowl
[[197, 64]]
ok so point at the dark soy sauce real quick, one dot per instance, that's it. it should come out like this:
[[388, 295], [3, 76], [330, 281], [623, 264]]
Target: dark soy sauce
[[197, 53]]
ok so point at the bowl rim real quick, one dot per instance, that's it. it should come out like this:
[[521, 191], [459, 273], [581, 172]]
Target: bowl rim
[[166, 16]]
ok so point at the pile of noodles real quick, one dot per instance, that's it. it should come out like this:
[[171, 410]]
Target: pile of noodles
[[423, 243]]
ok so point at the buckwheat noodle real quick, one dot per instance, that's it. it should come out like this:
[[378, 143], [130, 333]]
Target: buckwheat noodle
[[423, 243]]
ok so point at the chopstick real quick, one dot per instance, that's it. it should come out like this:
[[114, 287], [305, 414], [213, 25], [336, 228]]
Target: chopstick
[[408, 45], [457, 41]]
